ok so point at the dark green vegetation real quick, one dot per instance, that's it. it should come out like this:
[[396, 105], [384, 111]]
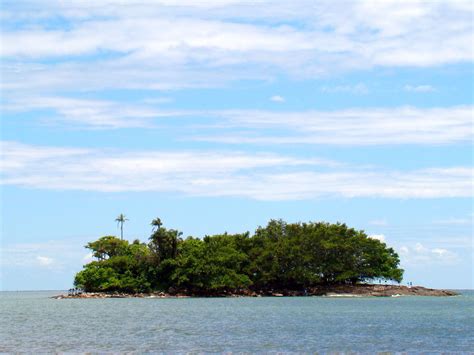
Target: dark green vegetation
[[279, 256]]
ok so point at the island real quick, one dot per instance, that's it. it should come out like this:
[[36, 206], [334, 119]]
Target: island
[[280, 259]]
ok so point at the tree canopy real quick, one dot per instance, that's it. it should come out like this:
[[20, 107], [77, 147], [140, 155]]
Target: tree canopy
[[278, 256]]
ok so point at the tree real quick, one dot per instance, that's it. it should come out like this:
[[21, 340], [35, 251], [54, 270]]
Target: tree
[[292, 256], [121, 267], [156, 223], [120, 221], [211, 265], [107, 247], [164, 242]]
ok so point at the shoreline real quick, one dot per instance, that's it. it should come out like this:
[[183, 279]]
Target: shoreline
[[336, 291]]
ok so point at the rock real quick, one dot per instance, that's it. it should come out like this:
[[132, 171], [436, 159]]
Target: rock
[[363, 290]]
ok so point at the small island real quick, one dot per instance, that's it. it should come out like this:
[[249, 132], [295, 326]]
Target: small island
[[280, 259]]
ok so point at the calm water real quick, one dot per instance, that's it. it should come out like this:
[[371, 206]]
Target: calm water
[[30, 321]]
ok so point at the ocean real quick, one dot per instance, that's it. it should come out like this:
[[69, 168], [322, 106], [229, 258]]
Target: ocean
[[33, 322]]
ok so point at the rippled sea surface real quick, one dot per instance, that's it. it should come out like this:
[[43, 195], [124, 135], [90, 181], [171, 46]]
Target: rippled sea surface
[[33, 322]]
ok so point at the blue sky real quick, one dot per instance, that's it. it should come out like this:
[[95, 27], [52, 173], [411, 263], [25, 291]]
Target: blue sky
[[220, 115]]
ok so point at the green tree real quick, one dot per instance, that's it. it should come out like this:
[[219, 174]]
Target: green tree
[[211, 265], [108, 246], [278, 256], [121, 267], [120, 221], [156, 223], [164, 242]]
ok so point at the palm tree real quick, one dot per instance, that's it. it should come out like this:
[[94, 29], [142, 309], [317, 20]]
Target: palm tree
[[120, 221], [156, 223]]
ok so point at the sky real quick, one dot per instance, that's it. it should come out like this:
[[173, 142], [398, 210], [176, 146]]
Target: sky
[[221, 115]]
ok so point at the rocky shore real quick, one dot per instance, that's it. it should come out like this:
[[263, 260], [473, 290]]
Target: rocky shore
[[327, 291]]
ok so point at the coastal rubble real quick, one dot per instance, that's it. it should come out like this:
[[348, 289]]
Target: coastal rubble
[[328, 291]]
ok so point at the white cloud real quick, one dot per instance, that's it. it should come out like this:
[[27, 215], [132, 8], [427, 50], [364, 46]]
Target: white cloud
[[147, 37], [31, 255], [370, 126], [456, 242], [358, 89], [379, 237], [419, 248], [277, 98], [419, 88], [150, 45], [399, 125], [87, 258], [44, 261], [257, 175], [54, 255], [440, 252], [404, 250], [455, 221], [418, 254], [96, 114]]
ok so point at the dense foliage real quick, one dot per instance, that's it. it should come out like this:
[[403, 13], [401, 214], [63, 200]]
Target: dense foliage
[[278, 256]]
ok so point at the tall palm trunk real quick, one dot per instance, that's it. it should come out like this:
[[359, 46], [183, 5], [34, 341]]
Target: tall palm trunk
[[121, 220]]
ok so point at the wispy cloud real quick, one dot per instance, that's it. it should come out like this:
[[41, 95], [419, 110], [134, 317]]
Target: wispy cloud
[[87, 258], [54, 255], [418, 254], [419, 88], [379, 237], [277, 98], [257, 176], [95, 114], [455, 221], [44, 261], [168, 45], [371, 126], [357, 89]]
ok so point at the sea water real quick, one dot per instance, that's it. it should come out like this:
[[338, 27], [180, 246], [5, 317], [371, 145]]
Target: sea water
[[33, 322]]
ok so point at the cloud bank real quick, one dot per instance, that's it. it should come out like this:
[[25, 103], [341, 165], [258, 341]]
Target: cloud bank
[[368, 126], [168, 45], [261, 176], [357, 126]]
